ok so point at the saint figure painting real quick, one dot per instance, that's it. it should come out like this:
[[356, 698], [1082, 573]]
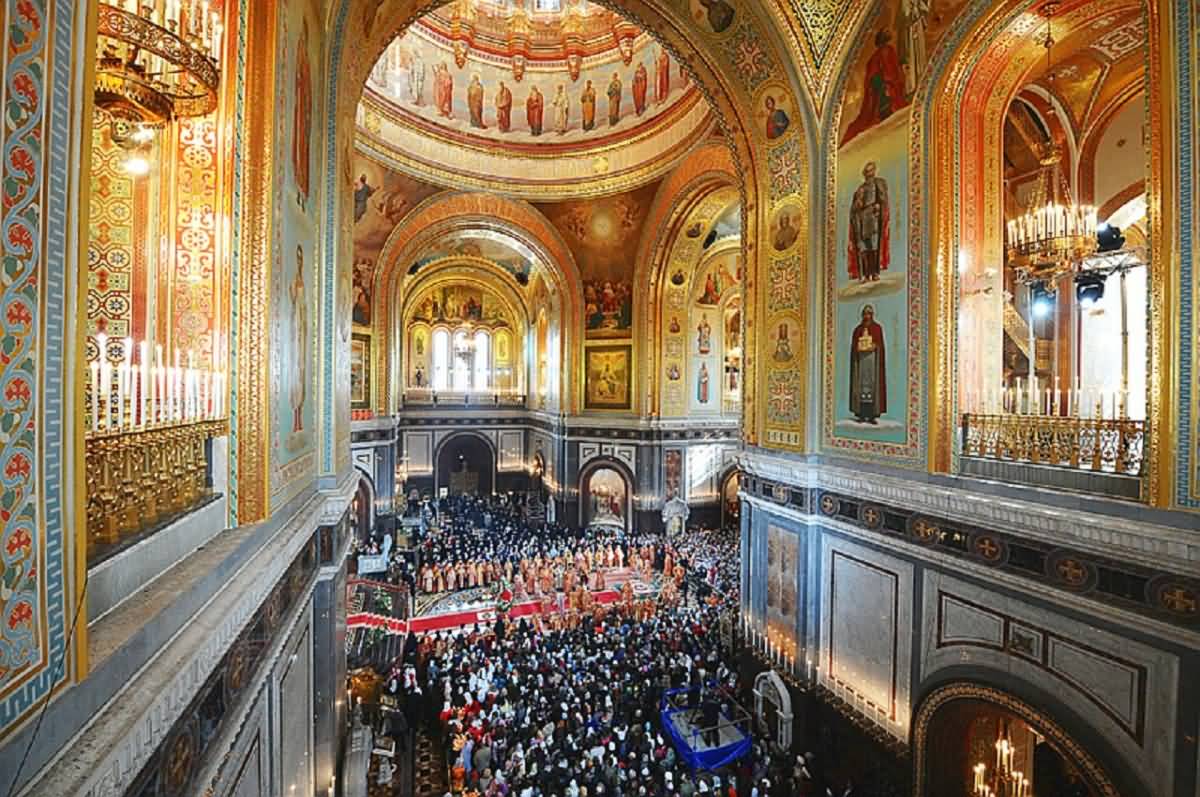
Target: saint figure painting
[[302, 118], [868, 251], [868, 370]]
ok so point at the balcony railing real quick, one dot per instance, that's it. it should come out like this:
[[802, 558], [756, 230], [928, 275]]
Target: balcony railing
[[141, 479], [458, 398], [1100, 445]]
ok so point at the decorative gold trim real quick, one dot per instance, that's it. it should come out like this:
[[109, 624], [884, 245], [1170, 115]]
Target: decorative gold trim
[[1091, 769], [255, 257]]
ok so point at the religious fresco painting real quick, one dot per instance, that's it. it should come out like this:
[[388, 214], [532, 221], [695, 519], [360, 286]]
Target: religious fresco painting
[[603, 234], [607, 377], [783, 558], [298, 142], [472, 93], [381, 198], [455, 303], [869, 348], [360, 371], [672, 473]]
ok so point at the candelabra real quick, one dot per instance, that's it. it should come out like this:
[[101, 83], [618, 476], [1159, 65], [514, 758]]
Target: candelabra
[[1003, 781], [156, 60]]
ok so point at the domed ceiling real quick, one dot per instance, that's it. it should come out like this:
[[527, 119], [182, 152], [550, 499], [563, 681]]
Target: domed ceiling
[[489, 91]]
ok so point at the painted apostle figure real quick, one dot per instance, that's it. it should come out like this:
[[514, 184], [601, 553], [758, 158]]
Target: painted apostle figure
[[504, 108], [614, 100], [587, 103], [868, 369], [869, 249], [302, 118], [641, 80], [533, 110]]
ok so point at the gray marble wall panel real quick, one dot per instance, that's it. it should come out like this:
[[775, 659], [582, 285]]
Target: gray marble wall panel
[[866, 628], [294, 714], [1123, 689]]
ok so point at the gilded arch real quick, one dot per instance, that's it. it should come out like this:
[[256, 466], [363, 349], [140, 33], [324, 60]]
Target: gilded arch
[[729, 68], [450, 212], [979, 67]]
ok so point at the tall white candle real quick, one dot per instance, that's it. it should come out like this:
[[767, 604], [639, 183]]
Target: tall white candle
[[122, 376], [95, 369], [105, 393]]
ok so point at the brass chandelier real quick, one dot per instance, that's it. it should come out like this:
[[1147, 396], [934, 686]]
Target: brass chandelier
[[156, 61], [1055, 234]]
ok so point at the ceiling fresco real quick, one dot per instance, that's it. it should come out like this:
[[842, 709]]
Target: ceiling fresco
[[493, 74]]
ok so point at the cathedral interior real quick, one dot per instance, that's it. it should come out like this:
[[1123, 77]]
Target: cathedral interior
[[563, 398]]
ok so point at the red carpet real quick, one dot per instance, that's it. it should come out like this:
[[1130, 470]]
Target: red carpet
[[447, 620]]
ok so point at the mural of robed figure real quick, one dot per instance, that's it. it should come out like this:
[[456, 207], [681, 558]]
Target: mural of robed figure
[[883, 87], [868, 369], [869, 249]]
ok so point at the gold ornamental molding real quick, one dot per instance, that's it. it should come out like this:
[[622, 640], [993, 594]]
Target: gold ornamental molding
[[1091, 769]]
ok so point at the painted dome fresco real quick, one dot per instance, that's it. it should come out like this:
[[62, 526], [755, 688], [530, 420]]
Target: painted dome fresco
[[517, 83]]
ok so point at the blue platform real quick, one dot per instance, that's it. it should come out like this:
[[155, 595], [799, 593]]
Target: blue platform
[[685, 729]]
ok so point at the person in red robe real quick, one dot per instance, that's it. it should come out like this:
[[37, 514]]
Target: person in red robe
[[868, 369], [302, 117], [533, 110], [883, 87], [504, 108], [662, 76], [443, 90], [640, 83]]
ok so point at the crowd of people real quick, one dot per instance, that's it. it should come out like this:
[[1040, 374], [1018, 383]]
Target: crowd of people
[[544, 706]]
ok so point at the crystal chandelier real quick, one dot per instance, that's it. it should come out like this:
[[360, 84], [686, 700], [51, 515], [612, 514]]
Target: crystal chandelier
[[1055, 234], [156, 61], [1002, 781]]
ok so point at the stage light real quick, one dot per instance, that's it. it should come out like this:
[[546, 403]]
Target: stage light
[[1089, 289], [1043, 301], [1109, 238]]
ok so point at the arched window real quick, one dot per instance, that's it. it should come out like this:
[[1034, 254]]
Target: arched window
[[483, 360], [462, 362], [547, 5], [441, 359]]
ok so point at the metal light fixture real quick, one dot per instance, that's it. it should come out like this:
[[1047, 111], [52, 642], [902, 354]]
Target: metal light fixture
[[156, 61], [1055, 234]]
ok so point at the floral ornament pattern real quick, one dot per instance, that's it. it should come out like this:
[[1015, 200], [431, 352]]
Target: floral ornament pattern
[[751, 59], [785, 163], [783, 292], [783, 397], [22, 625]]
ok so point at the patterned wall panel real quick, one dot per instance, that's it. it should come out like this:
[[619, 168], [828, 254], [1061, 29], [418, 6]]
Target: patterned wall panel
[[112, 246], [196, 280], [1124, 689], [36, 137]]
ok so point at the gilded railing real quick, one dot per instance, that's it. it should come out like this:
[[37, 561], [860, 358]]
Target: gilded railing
[[1108, 445], [139, 478]]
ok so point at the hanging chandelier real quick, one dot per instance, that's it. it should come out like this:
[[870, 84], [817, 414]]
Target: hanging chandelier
[[156, 61], [1002, 780], [1055, 234]]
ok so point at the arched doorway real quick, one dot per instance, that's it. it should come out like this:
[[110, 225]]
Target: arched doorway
[[362, 507], [731, 507], [465, 465], [606, 496], [967, 735]]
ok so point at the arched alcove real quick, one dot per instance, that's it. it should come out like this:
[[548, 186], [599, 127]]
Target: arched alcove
[[465, 462], [606, 495], [958, 732]]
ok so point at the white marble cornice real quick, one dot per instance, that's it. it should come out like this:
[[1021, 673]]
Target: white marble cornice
[[1149, 544], [108, 753], [959, 565]]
